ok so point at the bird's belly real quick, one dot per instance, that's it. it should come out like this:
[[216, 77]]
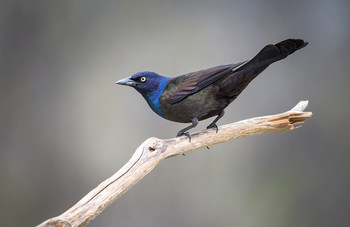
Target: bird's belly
[[201, 105]]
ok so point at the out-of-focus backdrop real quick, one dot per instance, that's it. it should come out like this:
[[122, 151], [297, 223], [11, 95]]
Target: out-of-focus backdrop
[[65, 127]]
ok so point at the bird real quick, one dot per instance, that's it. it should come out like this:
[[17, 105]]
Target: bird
[[203, 94]]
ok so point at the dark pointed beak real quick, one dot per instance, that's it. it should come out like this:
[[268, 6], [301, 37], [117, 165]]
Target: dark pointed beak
[[127, 82]]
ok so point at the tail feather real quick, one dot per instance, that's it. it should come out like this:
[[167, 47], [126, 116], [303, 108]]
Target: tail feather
[[272, 53], [234, 84]]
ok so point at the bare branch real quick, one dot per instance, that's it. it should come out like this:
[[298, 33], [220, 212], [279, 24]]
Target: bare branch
[[153, 150]]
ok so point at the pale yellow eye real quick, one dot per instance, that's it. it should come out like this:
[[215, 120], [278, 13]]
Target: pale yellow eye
[[143, 79]]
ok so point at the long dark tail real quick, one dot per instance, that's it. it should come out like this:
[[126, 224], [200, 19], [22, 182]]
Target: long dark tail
[[234, 84], [272, 53]]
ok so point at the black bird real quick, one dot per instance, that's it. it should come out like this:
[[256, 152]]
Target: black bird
[[200, 95]]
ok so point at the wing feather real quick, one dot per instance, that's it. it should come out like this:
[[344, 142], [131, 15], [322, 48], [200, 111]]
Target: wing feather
[[196, 81]]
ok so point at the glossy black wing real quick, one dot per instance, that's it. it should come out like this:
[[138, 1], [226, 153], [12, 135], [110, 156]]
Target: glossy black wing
[[194, 82]]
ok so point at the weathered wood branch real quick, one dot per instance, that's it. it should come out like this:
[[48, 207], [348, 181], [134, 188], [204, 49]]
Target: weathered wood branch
[[153, 150]]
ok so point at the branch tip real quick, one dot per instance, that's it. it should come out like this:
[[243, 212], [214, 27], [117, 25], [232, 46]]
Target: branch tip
[[300, 107]]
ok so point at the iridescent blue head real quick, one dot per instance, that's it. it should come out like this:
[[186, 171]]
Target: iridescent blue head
[[150, 85]]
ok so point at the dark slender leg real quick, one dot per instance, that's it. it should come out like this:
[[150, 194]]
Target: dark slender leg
[[213, 124], [183, 132]]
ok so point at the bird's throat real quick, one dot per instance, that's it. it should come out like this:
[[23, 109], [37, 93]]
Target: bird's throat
[[152, 98]]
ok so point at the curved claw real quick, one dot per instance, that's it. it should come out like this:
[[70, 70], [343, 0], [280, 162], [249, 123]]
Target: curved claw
[[179, 134], [213, 125], [183, 132]]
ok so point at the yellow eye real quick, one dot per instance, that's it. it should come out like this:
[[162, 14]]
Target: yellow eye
[[143, 79]]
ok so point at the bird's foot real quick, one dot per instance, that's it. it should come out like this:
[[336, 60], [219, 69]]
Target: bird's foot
[[184, 134], [213, 125]]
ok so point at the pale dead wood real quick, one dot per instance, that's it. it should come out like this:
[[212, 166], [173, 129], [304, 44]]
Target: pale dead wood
[[153, 150]]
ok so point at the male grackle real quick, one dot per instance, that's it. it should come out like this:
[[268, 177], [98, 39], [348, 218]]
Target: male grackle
[[200, 95]]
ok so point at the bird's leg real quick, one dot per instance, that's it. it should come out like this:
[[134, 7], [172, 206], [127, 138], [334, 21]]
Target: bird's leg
[[213, 124], [183, 132]]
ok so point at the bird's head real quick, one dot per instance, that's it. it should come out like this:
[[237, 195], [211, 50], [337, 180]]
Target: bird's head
[[143, 82], [149, 84]]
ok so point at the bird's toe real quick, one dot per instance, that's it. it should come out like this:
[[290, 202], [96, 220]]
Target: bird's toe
[[213, 125], [179, 134]]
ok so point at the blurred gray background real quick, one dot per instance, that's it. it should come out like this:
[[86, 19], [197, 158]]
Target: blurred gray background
[[65, 127]]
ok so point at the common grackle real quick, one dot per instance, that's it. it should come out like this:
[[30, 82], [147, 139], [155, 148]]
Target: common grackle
[[203, 94]]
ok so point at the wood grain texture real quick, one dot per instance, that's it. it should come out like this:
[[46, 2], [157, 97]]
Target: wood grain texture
[[154, 150]]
